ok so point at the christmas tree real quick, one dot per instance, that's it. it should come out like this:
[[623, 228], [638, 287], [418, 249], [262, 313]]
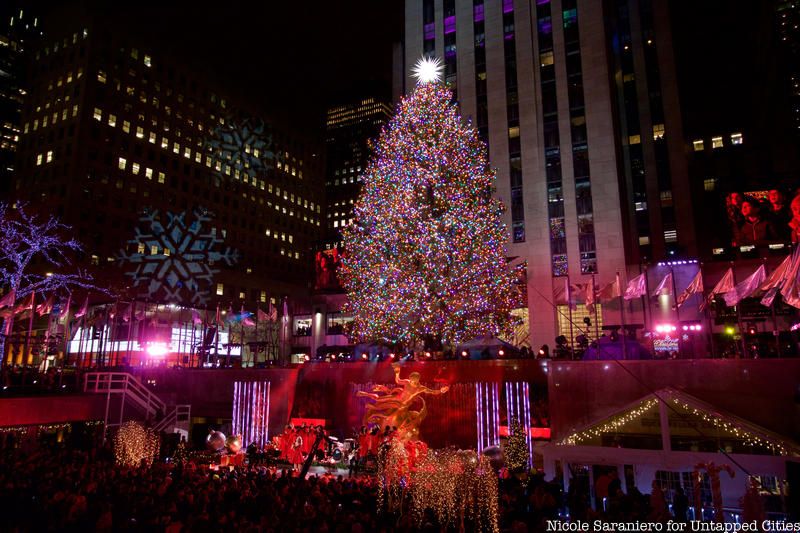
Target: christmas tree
[[424, 258], [516, 448]]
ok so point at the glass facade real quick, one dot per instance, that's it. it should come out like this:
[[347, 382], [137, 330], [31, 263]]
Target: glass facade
[[512, 116], [428, 28], [551, 140], [580, 146], [482, 105], [450, 60]]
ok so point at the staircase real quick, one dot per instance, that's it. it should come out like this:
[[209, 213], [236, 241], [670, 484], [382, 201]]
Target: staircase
[[131, 391]]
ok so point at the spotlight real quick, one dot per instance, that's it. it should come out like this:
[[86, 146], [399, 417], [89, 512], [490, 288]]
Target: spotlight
[[306, 358], [501, 353], [686, 328], [428, 354], [541, 351], [365, 356], [464, 353], [729, 330], [157, 349], [391, 355]]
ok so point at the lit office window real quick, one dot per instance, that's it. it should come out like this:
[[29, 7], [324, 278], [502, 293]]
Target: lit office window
[[39, 158], [698, 145], [126, 126], [161, 177], [220, 289], [736, 138], [139, 132], [148, 173], [634, 139], [98, 114], [147, 61], [658, 131], [101, 76], [716, 142], [122, 163], [135, 168], [152, 138], [112, 120]]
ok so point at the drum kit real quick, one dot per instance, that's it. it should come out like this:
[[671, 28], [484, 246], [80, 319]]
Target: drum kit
[[339, 451]]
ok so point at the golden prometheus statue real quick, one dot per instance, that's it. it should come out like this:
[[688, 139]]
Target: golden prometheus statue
[[393, 405]]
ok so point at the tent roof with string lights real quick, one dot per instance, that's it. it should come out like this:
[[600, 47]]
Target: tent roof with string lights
[[689, 424]]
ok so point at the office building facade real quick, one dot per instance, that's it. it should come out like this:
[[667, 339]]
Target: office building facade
[[349, 129], [575, 100], [115, 139]]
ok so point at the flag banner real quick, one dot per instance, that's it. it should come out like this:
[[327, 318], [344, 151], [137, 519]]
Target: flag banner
[[65, 308], [9, 299], [695, 287], [637, 287], [589, 295], [769, 296], [790, 290], [84, 308], [665, 287], [196, 317], [723, 285], [746, 288], [779, 276], [609, 292], [46, 307], [126, 316], [262, 316], [28, 304]]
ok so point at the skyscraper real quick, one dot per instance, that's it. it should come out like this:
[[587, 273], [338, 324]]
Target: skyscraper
[[119, 140], [577, 101], [19, 31], [349, 129]]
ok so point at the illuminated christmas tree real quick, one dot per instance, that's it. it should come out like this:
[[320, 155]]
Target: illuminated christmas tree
[[516, 448], [424, 256]]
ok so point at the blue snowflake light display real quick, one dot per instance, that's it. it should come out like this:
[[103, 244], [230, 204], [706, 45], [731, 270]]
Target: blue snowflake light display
[[174, 262]]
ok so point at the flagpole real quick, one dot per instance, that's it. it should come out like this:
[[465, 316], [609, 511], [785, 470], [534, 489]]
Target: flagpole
[[646, 301], [739, 314], [569, 308], [677, 309], [622, 319], [702, 307], [596, 314], [776, 331], [216, 336], [131, 314], [28, 337]]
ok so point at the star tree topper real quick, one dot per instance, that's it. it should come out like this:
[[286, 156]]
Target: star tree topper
[[428, 70]]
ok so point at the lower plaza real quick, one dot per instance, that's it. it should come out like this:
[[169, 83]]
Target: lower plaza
[[413, 265]]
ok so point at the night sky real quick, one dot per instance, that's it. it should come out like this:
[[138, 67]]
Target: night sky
[[286, 57]]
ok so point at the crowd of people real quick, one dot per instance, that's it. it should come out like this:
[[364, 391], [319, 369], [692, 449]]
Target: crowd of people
[[754, 221], [63, 488]]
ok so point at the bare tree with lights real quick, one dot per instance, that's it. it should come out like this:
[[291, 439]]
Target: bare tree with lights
[[425, 259], [27, 239]]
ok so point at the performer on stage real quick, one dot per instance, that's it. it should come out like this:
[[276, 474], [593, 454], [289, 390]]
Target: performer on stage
[[296, 453]]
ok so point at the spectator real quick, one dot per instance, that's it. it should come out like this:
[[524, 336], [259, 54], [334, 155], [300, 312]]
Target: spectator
[[794, 223], [755, 230], [779, 214], [733, 207]]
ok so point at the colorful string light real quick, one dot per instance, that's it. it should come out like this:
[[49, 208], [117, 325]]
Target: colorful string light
[[425, 256]]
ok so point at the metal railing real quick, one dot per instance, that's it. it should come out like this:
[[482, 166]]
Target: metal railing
[[132, 390]]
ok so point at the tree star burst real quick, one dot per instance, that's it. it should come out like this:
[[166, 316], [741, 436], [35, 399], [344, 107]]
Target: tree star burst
[[428, 69]]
